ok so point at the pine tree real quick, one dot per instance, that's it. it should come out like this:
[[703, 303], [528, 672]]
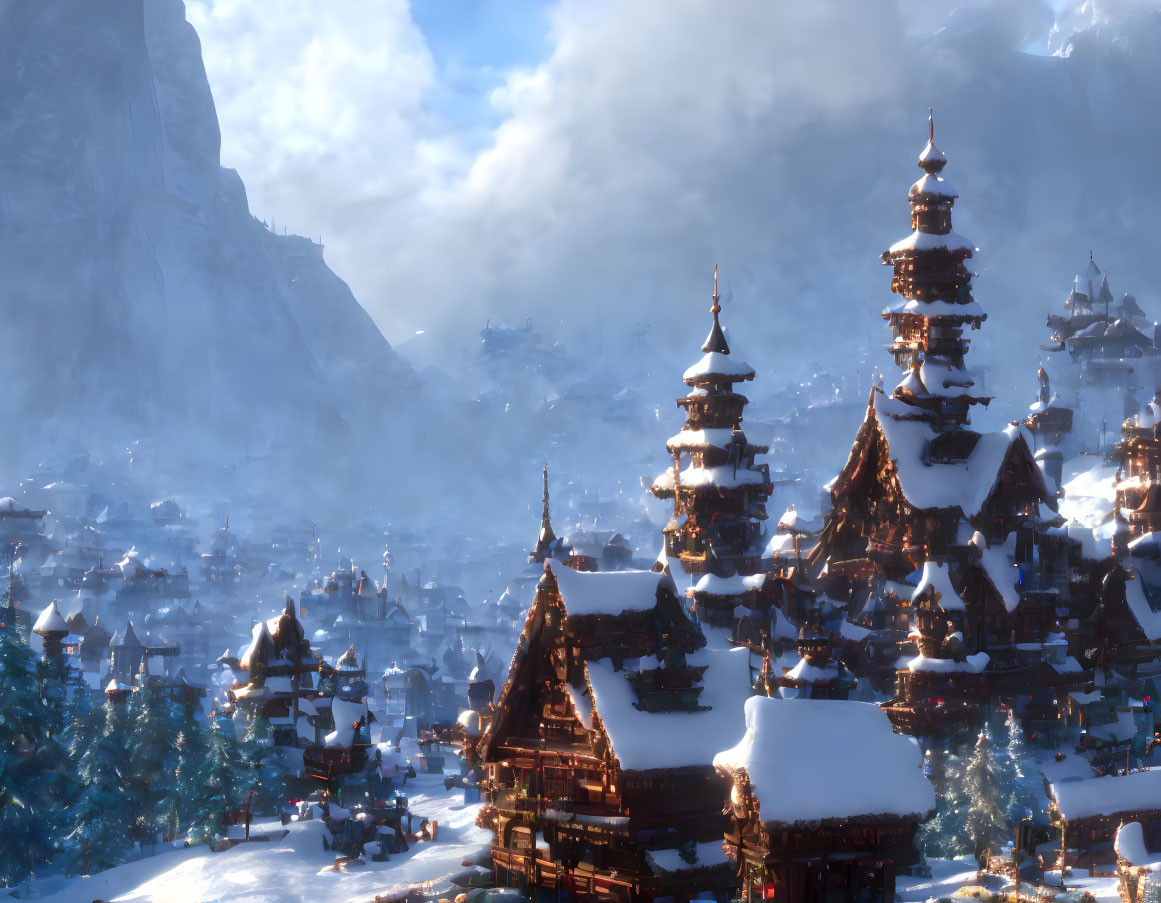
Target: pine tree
[[190, 798], [152, 757], [986, 824], [27, 763], [942, 835], [1020, 772], [101, 835], [267, 777], [221, 779]]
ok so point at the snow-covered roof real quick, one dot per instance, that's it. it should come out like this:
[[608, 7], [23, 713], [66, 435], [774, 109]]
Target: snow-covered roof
[[975, 664], [705, 855], [714, 585], [944, 380], [643, 741], [807, 673], [50, 620], [1147, 618], [606, 592], [929, 241], [714, 363], [931, 153], [724, 475], [1148, 417], [261, 645], [1000, 568], [966, 484], [715, 437], [1130, 845], [931, 184], [935, 576], [815, 760], [969, 310], [346, 714], [1109, 795]]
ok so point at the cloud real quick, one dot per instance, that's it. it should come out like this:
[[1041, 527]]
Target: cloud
[[322, 108], [661, 137]]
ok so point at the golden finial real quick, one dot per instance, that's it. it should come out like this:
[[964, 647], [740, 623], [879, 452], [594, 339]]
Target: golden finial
[[716, 307], [931, 124]]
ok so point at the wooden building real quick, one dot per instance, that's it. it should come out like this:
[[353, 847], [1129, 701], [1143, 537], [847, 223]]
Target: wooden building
[[1089, 812], [824, 801], [597, 760]]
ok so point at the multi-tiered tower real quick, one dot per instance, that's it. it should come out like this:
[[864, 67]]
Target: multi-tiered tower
[[719, 493], [935, 284]]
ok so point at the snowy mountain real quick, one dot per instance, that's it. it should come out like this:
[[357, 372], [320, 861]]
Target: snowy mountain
[[139, 296]]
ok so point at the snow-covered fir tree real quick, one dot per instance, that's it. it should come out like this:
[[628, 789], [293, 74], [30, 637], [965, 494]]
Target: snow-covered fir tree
[[942, 835], [27, 763], [188, 802], [986, 822], [220, 778], [267, 776], [153, 721], [101, 835], [1024, 795]]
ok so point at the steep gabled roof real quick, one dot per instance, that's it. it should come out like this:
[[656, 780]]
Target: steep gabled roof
[[926, 484]]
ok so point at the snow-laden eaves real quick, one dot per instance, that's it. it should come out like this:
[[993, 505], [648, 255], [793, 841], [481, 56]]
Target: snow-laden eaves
[[934, 186], [929, 241], [606, 592], [714, 363]]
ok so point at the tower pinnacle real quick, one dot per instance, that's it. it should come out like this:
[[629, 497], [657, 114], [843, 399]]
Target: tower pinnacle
[[716, 340], [547, 538]]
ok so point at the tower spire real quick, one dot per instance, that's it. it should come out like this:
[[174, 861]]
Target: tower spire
[[716, 340], [545, 521], [547, 538], [931, 124]]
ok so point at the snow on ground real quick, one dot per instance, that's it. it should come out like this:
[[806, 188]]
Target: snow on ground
[[290, 870], [951, 875], [947, 876]]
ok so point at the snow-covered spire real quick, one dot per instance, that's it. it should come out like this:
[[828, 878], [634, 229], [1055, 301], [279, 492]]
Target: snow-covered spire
[[546, 533], [50, 621], [716, 366], [931, 159], [716, 340], [546, 540]]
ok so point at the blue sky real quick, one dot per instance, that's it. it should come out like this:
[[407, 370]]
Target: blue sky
[[475, 44]]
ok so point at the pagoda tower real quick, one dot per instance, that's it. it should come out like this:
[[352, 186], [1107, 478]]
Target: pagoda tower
[[719, 493], [935, 285]]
